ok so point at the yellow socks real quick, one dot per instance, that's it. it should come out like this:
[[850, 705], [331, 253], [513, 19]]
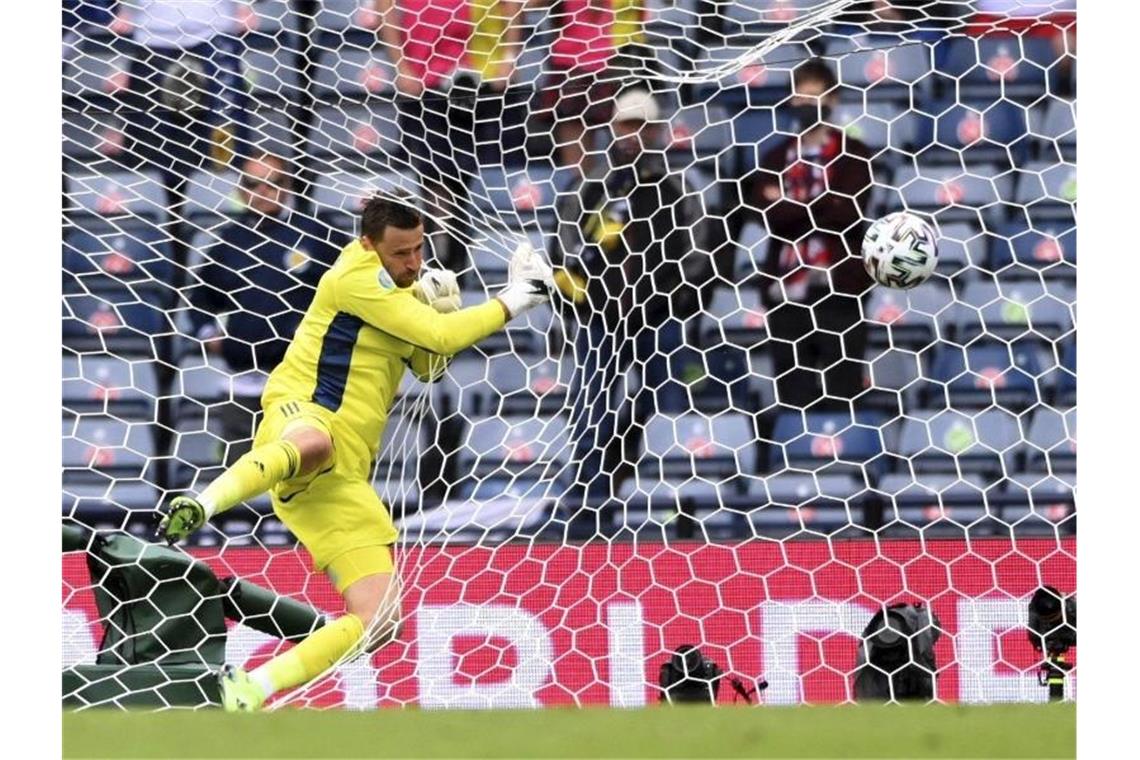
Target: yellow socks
[[254, 473], [311, 657]]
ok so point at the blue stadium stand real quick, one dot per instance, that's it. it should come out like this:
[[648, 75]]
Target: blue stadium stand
[[505, 448], [985, 374], [962, 251], [353, 71], [949, 194], [86, 135], [908, 319], [126, 264], [1046, 506], [897, 371], [829, 444], [115, 195], [271, 130], [682, 447], [997, 66], [883, 67], [937, 505], [1066, 378], [354, 132], [272, 74], [99, 448], [764, 17], [212, 197], [735, 316], [892, 134], [198, 453], [654, 508], [200, 384], [988, 134], [1051, 443], [752, 242], [1053, 122], [522, 198], [91, 323], [523, 386], [275, 23], [110, 385], [1014, 310], [1048, 191], [1046, 248], [728, 380], [95, 73], [788, 504], [950, 441], [109, 505]]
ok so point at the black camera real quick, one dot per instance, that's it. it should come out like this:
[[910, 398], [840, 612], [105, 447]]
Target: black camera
[[688, 677], [896, 660], [1053, 630], [1052, 621]]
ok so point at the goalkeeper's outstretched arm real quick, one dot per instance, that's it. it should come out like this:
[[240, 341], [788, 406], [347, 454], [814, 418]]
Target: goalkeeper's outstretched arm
[[400, 314]]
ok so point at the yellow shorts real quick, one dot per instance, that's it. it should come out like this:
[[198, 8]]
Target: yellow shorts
[[353, 565], [334, 510]]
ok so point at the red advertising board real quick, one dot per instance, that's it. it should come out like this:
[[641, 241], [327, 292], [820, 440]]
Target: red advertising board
[[527, 626]]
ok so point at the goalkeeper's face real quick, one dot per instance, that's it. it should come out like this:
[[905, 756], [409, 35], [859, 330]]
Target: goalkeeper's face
[[402, 253]]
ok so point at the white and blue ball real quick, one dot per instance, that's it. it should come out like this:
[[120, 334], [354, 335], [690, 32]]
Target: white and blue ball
[[900, 250]]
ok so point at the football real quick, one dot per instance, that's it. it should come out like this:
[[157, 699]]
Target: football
[[900, 250]]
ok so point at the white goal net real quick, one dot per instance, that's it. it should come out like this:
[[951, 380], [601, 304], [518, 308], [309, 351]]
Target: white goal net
[[720, 432]]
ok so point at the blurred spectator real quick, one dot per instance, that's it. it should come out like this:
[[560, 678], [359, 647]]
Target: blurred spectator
[[629, 240], [186, 97], [259, 279], [813, 189], [599, 43], [454, 60]]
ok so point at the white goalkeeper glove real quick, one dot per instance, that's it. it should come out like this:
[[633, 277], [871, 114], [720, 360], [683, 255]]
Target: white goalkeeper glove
[[439, 289], [529, 281]]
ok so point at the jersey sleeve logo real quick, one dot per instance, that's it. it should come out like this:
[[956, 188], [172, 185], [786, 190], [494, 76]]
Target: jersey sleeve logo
[[385, 280]]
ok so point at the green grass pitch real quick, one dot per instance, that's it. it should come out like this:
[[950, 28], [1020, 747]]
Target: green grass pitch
[[851, 731]]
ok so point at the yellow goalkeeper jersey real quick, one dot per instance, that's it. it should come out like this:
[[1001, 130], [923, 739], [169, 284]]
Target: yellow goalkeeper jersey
[[359, 335]]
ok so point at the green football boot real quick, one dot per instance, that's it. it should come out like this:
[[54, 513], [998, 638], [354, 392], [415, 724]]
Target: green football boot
[[239, 692]]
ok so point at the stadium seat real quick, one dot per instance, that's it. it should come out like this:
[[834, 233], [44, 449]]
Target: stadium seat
[[951, 441], [997, 66], [986, 134], [525, 386], [1048, 190], [97, 448], [985, 374], [1053, 122], [199, 453], [355, 131], [97, 71], [882, 126], [121, 265], [402, 443], [934, 504], [111, 385], [752, 242], [723, 378], [519, 198], [93, 324], [1010, 310], [513, 446], [271, 130], [1044, 505], [950, 195], [273, 72], [790, 503], [961, 250], [830, 442], [684, 446], [114, 195], [112, 502], [93, 135], [1051, 444], [735, 316], [1066, 393], [898, 371], [910, 318], [763, 17], [200, 384], [353, 71], [1048, 247], [210, 197], [273, 21], [882, 66], [463, 388]]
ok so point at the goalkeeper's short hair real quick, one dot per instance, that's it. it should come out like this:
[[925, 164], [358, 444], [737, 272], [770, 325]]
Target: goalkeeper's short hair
[[389, 210]]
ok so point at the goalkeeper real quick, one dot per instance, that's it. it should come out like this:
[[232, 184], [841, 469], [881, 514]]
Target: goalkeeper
[[375, 312]]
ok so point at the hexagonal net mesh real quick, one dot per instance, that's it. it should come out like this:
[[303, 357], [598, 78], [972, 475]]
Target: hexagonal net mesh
[[717, 432]]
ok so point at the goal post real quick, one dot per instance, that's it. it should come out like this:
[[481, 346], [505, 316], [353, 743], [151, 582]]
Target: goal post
[[720, 432]]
